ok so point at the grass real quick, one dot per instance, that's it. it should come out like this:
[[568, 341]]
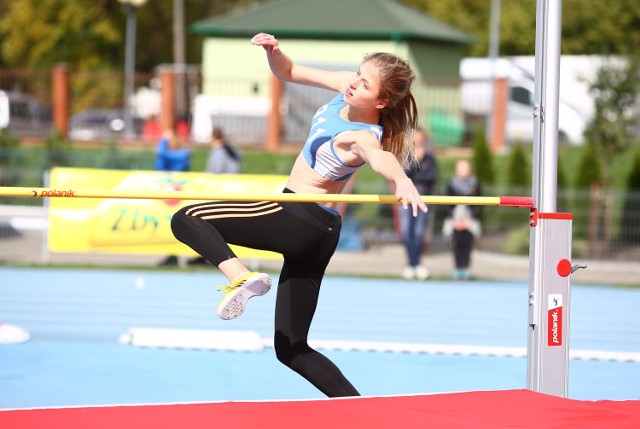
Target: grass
[[262, 162], [30, 162]]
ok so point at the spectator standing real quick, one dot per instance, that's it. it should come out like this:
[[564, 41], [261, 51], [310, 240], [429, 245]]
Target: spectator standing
[[423, 172], [223, 157], [462, 224], [171, 156]]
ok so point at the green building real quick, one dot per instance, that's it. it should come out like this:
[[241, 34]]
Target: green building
[[331, 34]]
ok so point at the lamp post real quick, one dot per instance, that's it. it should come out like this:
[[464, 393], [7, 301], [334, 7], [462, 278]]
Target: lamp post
[[130, 8], [496, 134], [179, 55]]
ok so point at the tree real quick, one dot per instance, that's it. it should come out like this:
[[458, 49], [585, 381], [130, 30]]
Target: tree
[[590, 167], [589, 182], [196, 10], [37, 34], [630, 225], [615, 91], [588, 26], [600, 27], [90, 35]]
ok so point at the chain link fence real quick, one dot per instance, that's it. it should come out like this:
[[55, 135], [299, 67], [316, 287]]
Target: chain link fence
[[606, 220]]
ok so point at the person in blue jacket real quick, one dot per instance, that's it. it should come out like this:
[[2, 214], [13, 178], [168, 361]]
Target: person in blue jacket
[[171, 156]]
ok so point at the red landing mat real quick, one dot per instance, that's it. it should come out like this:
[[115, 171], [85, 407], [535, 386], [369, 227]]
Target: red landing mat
[[477, 410]]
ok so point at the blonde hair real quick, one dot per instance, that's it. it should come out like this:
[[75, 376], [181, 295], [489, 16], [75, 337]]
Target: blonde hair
[[399, 118]]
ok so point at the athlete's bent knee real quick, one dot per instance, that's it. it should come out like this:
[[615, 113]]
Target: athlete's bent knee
[[178, 222], [287, 350]]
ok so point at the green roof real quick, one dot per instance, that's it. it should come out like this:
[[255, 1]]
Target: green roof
[[332, 19]]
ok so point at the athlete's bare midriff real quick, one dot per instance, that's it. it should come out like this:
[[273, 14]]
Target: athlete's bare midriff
[[304, 180]]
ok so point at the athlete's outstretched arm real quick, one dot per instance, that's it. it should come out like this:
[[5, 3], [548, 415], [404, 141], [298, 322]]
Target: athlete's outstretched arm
[[386, 165], [285, 69]]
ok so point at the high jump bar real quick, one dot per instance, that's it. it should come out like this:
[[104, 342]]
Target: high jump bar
[[10, 191], [7, 191]]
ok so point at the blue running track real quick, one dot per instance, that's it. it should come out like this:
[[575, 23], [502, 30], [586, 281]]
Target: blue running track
[[75, 318]]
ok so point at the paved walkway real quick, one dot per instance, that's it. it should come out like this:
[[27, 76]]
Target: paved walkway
[[384, 259], [28, 247]]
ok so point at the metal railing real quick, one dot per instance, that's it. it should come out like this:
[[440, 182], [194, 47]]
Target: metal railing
[[96, 105], [606, 221]]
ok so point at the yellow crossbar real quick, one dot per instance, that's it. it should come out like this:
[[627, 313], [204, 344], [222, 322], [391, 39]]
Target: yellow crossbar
[[6, 191]]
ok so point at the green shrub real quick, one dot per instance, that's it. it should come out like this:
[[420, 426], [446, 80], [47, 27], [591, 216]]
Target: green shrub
[[630, 224], [9, 149], [590, 167], [57, 150], [517, 241], [482, 160], [519, 167]]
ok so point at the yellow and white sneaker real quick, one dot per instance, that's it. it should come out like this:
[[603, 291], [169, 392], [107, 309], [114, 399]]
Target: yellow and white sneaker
[[241, 290]]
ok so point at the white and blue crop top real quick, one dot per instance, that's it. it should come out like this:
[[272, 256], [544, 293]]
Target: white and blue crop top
[[319, 149]]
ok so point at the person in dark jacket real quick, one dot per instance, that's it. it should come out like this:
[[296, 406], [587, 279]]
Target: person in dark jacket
[[462, 224]]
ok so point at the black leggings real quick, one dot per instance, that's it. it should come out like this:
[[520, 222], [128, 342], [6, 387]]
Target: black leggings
[[306, 235], [462, 245]]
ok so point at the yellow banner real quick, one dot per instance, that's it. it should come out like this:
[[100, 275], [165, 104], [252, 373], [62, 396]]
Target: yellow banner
[[138, 226]]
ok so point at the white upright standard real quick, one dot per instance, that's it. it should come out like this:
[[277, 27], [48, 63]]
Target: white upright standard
[[550, 240]]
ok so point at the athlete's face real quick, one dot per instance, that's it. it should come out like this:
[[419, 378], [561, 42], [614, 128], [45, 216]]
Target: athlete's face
[[363, 88]]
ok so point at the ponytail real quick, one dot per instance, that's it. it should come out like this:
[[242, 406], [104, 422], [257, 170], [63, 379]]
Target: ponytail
[[400, 117]]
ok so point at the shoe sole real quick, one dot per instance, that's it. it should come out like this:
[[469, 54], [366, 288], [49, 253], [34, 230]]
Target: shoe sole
[[235, 302]]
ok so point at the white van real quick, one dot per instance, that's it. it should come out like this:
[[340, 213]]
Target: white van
[[477, 94], [22, 114]]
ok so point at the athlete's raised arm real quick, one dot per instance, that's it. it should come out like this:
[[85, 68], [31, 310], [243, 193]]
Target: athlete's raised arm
[[285, 69]]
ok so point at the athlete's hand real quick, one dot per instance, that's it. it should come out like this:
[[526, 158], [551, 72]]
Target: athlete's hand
[[408, 194], [267, 41]]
